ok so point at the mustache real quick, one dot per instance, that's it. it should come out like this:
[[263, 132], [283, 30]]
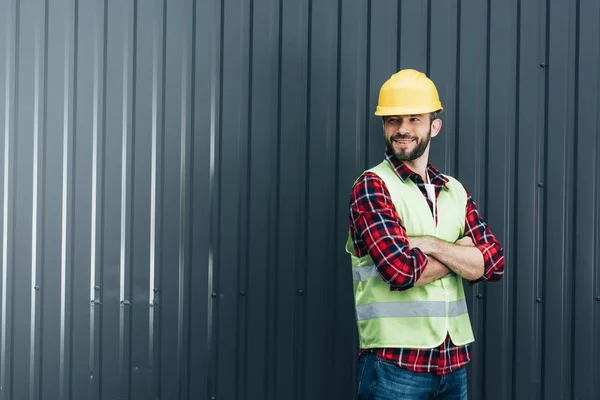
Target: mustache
[[399, 136]]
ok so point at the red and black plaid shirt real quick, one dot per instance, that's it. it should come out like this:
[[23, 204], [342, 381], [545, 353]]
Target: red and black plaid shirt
[[377, 230]]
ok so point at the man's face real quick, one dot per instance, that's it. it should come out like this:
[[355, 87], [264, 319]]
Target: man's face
[[407, 136]]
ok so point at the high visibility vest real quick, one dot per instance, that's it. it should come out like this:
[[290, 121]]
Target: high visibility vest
[[419, 317]]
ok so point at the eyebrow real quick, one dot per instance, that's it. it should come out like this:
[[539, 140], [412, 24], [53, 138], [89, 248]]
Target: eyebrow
[[408, 116]]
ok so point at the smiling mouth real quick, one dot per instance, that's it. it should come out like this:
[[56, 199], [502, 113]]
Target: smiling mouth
[[403, 142]]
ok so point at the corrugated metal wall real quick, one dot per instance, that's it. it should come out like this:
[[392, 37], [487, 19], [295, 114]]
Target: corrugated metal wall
[[175, 180]]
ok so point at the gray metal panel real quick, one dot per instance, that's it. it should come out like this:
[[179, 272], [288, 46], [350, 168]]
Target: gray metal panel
[[471, 144], [526, 253], [353, 121], [175, 180], [257, 371], [558, 210], [497, 298], [586, 311]]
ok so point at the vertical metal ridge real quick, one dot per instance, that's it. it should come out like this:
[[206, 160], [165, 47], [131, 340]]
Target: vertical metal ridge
[[190, 212], [96, 223], [457, 92], [273, 271], [368, 82], [184, 171], [596, 182], [128, 105], [71, 214], [336, 174], [515, 234], [69, 81], [398, 34], [428, 49], [481, 142], [34, 204], [542, 200], [482, 183], [300, 267], [216, 117], [481, 188], [486, 136], [129, 210], [596, 231], [40, 281], [558, 150], [576, 114], [159, 177], [245, 264], [12, 32], [40, 71], [158, 58], [124, 159], [571, 199], [273, 210], [509, 203], [243, 197], [94, 191]]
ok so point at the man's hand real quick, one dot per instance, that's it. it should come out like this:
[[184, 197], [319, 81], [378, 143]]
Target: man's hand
[[424, 243], [465, 241]]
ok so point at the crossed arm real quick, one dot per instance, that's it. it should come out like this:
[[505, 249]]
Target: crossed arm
[[461, 257], [404, 262]]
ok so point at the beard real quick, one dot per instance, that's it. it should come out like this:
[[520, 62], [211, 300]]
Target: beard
[[405, 154]]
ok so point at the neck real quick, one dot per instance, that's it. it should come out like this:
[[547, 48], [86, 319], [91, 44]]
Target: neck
[[419, 166]]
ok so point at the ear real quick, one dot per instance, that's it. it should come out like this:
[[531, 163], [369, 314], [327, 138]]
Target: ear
[[436, 125]]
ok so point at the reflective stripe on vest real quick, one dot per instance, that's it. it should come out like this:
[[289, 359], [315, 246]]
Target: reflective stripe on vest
[[364, 273], [411, 309]]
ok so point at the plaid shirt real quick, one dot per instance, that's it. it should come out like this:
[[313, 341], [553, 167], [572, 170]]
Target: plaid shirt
[[376, 229]]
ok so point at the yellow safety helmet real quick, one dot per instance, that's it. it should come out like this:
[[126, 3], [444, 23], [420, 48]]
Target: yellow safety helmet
[[408, 92]]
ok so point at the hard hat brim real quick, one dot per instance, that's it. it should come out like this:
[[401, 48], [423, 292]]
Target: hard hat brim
[[387, 111]]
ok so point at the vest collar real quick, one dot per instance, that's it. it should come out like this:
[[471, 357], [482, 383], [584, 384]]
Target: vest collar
[[404, 173]]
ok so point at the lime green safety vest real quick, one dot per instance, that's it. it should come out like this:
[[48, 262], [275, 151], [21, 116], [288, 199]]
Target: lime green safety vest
[[419, 317]]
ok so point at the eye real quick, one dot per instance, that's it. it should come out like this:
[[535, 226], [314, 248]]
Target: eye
[[414, 119], [392, 121]]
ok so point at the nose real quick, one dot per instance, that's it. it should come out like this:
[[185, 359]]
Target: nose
[[403, 126]]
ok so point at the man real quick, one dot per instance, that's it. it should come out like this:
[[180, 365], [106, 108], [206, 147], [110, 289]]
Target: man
[[414, 235]]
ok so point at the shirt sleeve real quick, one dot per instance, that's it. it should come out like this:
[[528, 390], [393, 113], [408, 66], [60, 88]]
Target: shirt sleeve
[[493, 254], [376, 228]]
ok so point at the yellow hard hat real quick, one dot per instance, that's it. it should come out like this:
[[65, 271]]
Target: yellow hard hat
[[408, 92]]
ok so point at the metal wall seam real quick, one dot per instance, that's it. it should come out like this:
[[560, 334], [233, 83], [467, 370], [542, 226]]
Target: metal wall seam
[[39, 120], [11, 27], [185, 179], [156, 188], [97, 203], [66, 269], [214, 184], [584, 285], [471, 135], [558, 171], [500, 177]]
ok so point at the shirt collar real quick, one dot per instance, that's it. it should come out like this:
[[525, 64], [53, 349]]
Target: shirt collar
[[404, 173]]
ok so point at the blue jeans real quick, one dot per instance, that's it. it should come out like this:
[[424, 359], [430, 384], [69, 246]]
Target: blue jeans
[[380, 380]]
